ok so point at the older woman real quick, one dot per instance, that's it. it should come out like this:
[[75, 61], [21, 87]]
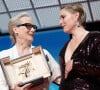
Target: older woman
[[80, 57], [22, 29]]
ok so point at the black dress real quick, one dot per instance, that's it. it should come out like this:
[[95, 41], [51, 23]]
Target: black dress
[[85, 74]]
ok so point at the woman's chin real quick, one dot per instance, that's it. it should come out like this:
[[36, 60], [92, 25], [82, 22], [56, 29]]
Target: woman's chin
[[66, 31], [30, 40]]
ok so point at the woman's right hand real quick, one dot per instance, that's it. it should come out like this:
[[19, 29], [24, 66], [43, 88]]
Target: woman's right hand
[[25, 87]]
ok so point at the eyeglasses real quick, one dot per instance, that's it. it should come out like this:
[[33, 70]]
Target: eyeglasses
[[28, 26]]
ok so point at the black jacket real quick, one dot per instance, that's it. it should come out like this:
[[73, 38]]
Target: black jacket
[[85, 74]]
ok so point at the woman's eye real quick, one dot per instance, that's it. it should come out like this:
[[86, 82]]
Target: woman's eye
[[63, 17]]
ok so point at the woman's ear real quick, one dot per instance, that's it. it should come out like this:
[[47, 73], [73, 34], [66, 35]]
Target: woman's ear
[[76, 16], [15, 30]]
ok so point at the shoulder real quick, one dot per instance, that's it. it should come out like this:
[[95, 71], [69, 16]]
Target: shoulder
[[95, 34], [93, 39], [5, 53], [45, 51]]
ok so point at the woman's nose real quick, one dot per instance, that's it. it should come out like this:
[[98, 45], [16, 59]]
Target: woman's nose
[[60, 22], [32, 29]]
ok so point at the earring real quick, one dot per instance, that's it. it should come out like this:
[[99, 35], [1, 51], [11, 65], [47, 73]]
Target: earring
[[16, 34], [77, 23]]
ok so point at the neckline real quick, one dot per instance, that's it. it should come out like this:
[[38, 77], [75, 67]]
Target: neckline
[[80, 44]]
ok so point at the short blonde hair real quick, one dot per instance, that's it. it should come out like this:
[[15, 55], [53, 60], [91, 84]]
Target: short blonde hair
[[14, 21], [76, 7]]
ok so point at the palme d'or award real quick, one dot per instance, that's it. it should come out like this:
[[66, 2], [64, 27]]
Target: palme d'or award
[[31, 68]]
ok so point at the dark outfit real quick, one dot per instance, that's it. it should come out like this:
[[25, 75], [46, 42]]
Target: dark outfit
[[85, 74]]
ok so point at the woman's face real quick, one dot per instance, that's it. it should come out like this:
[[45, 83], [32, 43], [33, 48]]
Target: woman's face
[[68, 20], [24, 30]]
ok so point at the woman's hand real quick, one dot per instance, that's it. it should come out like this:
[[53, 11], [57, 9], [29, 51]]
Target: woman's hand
[[68, 67], [25, 87]]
